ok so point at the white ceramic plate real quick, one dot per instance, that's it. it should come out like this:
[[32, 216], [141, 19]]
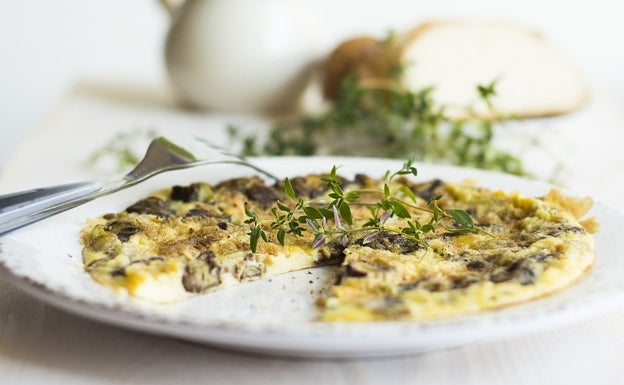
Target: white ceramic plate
[[277, 316]]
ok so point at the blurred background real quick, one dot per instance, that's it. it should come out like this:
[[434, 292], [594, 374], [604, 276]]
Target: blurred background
[[48, 46]]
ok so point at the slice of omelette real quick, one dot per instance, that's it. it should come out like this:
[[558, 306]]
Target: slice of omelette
[[194, 239]]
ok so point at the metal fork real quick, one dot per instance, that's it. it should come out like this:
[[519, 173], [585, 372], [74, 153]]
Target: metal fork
[[163, 154]]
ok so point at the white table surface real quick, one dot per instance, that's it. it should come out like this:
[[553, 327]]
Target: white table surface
[[41, 344]]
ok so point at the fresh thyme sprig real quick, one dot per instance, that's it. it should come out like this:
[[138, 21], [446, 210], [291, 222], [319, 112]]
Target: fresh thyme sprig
[[332, 217], [390, 121]]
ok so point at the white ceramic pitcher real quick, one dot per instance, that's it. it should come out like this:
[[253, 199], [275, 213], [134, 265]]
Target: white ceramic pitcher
[[241, 55]]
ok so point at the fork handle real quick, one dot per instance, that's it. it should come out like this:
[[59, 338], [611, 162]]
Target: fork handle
[[20, 208]]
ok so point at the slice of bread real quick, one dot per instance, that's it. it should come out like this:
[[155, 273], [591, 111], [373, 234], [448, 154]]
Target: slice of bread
[[455, 57], [532, 77]]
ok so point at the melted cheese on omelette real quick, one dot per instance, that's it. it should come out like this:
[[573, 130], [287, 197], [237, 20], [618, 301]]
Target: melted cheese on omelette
[[194, 239]]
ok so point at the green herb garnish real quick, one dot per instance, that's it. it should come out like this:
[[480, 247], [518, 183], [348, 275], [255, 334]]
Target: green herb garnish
[[390, 121], [330, 217]]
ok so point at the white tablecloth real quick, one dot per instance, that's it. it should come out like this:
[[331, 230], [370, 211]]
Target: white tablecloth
[[40, 344]]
